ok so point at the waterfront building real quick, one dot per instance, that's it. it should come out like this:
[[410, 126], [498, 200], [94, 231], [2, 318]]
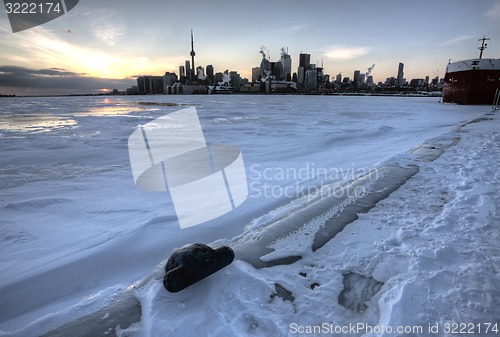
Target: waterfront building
[[400, 79], [305, 61], [255, 74], [321, 75], [362, 79], [235, 80], [369, 81], [277, 70], [169, 79], [188, 69], [150, 85], [286, 61], [356, 80], [133, 90], [219, 78], [311, 80], [210, 74], [301, 75], [156, 85], [141, 85]]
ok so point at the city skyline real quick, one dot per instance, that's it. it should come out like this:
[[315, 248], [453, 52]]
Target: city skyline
[[100, 46]]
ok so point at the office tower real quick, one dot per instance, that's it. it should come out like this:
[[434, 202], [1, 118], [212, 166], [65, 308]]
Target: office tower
[[141, 85], [219, 77], [369, 81], [278, 70], [235, 79], [169, 79], [156, 85], [301, 75], [338, 79], [210, 73], [356, 78], [188, 69], [362, 79], [311, 80], [182, 71], [147, 85], [321, 74], [400, 75], [286, 62], [255, 74], [305, 61]]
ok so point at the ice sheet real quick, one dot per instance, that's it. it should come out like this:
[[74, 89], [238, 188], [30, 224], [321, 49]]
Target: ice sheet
[[72, 222]]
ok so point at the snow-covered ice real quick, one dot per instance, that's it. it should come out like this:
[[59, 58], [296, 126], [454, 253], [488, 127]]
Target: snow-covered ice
[[77, 237]]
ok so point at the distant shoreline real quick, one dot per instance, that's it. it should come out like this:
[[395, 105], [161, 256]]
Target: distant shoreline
[[394, 94]]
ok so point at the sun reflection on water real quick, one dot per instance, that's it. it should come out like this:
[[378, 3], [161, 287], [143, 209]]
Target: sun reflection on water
[[35, 123]]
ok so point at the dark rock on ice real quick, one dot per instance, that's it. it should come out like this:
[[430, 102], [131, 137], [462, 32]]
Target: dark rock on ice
[[192, 263]]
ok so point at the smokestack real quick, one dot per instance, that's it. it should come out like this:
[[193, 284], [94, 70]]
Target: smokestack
[[262, 51], [370, 70]]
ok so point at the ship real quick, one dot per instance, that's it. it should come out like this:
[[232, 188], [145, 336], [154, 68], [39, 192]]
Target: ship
[[474, 81], [223, 88]]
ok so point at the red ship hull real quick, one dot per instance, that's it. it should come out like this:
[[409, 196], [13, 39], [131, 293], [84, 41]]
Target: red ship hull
[[473, 86]]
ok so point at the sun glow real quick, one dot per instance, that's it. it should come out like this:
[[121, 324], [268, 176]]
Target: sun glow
[[49, 50]]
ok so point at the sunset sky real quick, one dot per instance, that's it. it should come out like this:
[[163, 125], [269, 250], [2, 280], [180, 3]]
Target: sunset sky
[[106, 44]]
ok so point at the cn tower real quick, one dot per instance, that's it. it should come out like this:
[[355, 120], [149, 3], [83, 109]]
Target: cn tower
[[193, 68]]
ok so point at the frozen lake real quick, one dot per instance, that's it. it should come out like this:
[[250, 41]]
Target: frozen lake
[[73, 223]]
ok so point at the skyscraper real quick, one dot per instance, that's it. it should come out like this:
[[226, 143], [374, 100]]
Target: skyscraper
[[301, 75], [141, 85], [278, 70], [400, 75], [210, 73], [311, 80], [235, 80], [305, 61], [188, 69], [286, 61], [362, 79], [182, 71], [356, 80], [255, 74]]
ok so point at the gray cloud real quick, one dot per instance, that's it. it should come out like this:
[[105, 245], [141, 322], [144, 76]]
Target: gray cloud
[[21, 80]]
